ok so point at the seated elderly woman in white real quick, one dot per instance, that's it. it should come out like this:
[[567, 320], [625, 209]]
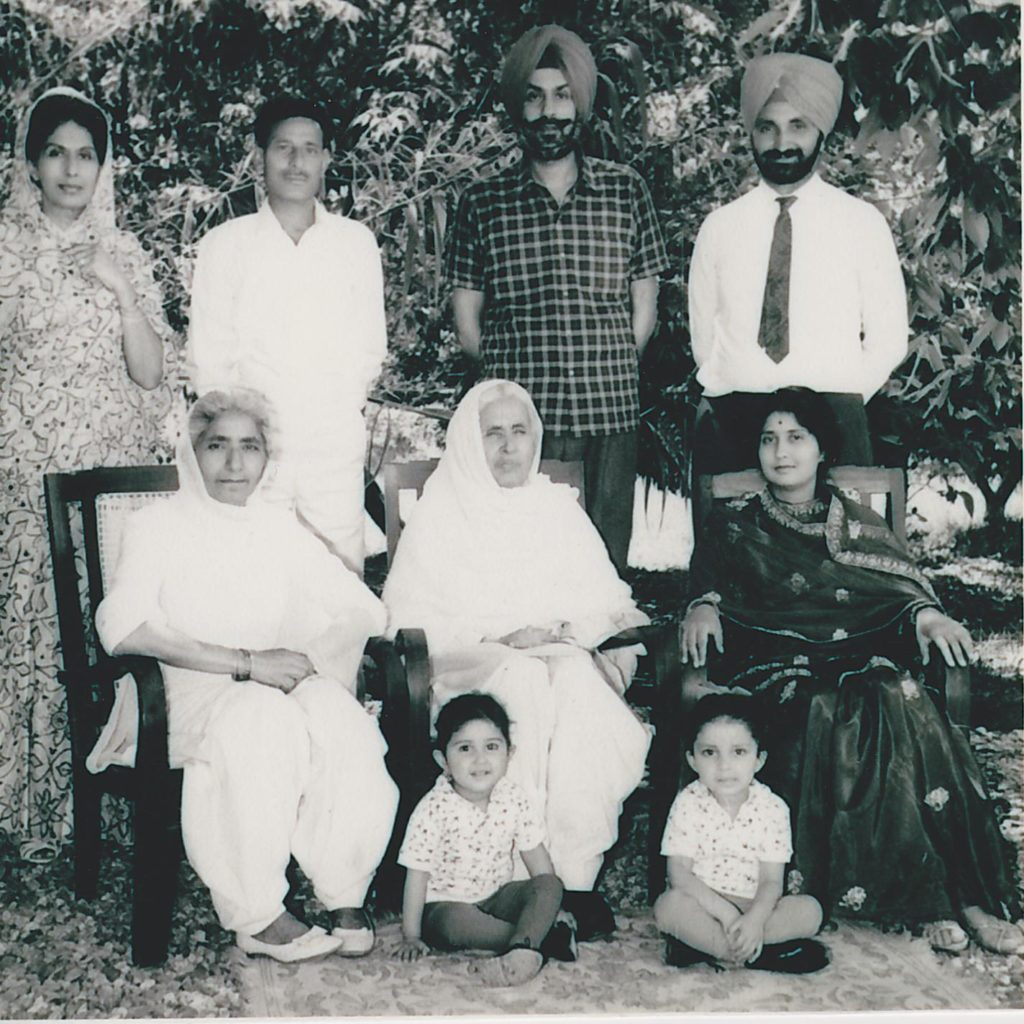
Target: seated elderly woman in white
[[514, 588], [259, 631]]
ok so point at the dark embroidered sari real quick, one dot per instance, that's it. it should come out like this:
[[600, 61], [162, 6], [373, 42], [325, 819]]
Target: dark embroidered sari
[[890, 817]]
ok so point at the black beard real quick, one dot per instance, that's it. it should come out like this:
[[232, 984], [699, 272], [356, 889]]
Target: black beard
[[789, 167], [550, 138]]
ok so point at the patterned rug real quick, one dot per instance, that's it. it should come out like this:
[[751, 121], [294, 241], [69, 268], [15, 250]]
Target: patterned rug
[[870, 971]]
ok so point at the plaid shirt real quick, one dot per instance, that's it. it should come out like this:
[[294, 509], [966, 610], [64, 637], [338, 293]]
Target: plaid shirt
[[556, 281]]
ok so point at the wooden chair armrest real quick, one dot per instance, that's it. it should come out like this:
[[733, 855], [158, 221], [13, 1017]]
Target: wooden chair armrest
[[412, 646], [958, 695], [151, 755], [647, 635]]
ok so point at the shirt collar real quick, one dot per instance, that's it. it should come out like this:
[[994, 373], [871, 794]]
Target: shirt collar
[[270, 223], [585, 177], [444, 785], [812, 187]]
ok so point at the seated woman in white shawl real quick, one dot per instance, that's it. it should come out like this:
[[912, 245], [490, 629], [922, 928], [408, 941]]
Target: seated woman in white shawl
[[259, 631], [514, 588]]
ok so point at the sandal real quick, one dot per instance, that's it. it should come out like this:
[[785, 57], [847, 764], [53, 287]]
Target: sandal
[[946, 936], [517, 965], [996, 935]]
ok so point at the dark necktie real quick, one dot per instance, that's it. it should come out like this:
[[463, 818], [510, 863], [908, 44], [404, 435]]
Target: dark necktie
[[773, 335]]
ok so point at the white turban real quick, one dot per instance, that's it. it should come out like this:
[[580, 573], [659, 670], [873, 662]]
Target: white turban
[[809, 85]]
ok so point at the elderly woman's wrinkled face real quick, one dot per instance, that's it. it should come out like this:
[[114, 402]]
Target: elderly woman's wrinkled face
[[509, 440], [790, 455], [232, 454], [67, 171]]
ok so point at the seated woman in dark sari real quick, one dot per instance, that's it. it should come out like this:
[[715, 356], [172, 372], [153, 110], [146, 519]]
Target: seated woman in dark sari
[[809, 603]]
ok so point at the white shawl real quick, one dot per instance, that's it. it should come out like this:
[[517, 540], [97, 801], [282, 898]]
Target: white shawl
[[477, 561]]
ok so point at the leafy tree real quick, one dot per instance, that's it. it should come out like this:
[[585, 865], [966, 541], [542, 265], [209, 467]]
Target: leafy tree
[[930, 131]]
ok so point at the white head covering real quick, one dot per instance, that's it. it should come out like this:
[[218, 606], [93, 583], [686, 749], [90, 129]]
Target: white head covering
[[480, 560], [192, 487], [98, 220]]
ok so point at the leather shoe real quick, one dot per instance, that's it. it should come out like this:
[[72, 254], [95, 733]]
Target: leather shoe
[[797, 956], [308, 946]]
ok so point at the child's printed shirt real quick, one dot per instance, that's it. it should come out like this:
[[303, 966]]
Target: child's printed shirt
[[726, 851], [467, 850]]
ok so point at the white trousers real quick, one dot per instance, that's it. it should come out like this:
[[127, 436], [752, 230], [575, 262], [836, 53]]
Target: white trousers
[[277, 775], [579, 752], [322, 478]]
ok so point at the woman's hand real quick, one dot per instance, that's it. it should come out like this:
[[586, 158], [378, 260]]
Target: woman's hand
[[411, 949], [949, 636], [534, 636], [95, 262], [280, 668], [702, 621]]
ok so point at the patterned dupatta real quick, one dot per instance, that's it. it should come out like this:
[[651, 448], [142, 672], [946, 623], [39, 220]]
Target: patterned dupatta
[[818, 573]]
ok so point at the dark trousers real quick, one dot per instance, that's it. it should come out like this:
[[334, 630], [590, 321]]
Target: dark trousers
[[517, 912], [728, 429], [609, 479]]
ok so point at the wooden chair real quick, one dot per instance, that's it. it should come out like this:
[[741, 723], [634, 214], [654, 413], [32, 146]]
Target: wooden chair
[[100, 499], [103, 497], [409, 722], [879, 488]]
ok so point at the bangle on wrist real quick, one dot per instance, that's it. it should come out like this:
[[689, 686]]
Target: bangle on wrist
[[132, 314], [712, 598], [243, 666]]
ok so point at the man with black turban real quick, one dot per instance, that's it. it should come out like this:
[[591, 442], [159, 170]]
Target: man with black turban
[[554, 265], [794, 283]]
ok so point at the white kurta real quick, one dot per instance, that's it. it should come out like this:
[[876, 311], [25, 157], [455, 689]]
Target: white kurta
[[476, 562], [267, 775], [304, 324], [847, 300]]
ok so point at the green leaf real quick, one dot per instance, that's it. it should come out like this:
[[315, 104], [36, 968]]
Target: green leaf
[[976, 227]]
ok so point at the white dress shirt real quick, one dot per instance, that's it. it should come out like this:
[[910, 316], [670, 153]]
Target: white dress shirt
[[301, 322], [847, 300]]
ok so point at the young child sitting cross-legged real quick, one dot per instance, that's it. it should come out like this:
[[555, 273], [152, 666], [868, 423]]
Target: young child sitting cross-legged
[[458, 853], [727, 841]]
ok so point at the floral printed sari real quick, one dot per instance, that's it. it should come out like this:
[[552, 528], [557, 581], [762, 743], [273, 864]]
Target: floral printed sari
[[891, 819]]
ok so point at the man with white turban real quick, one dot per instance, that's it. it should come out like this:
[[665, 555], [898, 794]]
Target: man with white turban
[[796, 283], [554, 268]]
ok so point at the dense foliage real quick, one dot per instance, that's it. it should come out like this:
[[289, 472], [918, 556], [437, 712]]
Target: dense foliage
[[930, 131]]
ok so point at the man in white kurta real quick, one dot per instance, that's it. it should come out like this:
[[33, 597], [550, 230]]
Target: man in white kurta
[[845, 326], [289, 301]]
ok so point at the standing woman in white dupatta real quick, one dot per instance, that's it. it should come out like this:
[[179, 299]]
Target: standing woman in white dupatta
[[259, 631], [82, 336], [515, 589]]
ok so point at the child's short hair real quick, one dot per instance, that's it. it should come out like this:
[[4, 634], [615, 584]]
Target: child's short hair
[[470, 707], [733, 706]]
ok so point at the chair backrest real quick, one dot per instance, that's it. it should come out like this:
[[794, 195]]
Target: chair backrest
[[877, 487], [403, 484], [86, 512]]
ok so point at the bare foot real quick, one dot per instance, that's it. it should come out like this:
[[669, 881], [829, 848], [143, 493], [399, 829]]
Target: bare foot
[[512, 968], [283, 929]]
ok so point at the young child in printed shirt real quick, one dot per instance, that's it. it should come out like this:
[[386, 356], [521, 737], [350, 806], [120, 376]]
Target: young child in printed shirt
[[728, 841], [458, 854]]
